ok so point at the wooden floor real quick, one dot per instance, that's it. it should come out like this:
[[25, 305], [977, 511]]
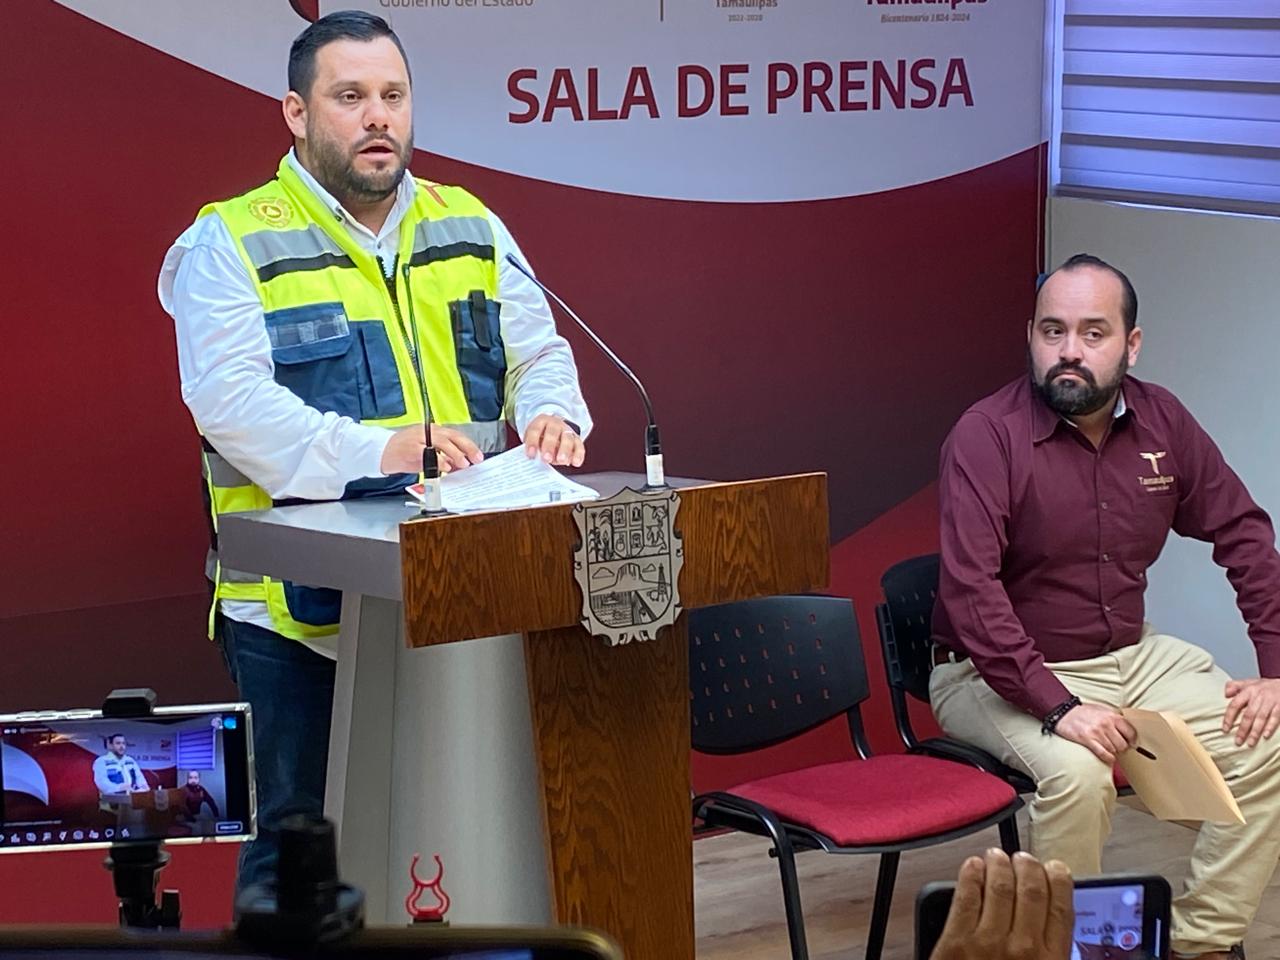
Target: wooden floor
[[738, 900]]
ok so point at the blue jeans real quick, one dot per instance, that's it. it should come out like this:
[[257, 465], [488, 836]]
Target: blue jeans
[[290, 688]]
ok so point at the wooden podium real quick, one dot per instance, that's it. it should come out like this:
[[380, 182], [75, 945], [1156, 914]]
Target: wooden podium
[[611, 724]]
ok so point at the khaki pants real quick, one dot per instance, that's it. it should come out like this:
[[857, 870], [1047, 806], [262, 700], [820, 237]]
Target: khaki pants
[[1071, 810]]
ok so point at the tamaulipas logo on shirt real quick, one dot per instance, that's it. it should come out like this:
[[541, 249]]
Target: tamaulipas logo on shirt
[[1158, 482]]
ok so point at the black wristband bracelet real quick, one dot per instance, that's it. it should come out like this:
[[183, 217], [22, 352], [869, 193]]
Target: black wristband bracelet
[[1057, 713]]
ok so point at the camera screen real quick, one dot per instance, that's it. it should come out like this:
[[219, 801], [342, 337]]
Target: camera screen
[[169, 776], [1108, 923]]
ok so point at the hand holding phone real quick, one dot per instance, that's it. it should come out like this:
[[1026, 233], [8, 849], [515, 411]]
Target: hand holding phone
[[1001, 909], [1004, 908]]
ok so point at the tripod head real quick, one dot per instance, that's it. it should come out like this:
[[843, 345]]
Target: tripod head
[[135, 867]]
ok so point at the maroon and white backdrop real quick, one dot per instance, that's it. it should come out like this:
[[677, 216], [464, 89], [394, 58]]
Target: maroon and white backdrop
[[812, 226]]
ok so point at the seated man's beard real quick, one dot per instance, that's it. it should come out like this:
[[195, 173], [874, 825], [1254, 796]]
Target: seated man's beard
[[1070, 398]]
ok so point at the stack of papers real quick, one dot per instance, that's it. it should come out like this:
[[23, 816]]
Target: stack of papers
[[505, 481]]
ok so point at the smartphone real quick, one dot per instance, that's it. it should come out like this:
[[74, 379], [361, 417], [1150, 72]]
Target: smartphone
[[1118, 917], [72, 779], [380, 943]]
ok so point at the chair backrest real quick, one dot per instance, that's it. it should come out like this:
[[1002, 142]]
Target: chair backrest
[[905, 623], [763, 671]]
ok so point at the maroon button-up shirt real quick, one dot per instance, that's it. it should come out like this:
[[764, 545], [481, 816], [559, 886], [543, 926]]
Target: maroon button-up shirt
[[1046, 541]]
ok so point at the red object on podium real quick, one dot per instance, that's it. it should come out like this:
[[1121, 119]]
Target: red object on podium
[[427, 914]]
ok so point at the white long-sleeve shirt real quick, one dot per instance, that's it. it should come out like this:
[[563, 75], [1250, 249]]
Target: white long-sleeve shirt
[[266, 431], [115, 775]]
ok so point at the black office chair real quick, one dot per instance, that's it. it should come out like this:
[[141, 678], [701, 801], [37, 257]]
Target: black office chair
[[904, 622], [765, 671]]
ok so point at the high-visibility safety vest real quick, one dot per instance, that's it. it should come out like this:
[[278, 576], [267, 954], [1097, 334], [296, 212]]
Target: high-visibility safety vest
[[342, 339]]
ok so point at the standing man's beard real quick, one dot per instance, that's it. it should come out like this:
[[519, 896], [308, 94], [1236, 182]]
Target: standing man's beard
[[1071, 399], [331, 164]]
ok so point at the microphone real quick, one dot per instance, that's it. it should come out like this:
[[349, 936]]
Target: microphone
[[654, 474], [432, 502]]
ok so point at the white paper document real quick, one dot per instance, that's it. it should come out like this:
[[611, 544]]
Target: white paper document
[[510, 479]]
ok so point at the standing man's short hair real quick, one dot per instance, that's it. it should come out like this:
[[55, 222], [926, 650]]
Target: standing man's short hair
[[342, 25], [1129, 300]]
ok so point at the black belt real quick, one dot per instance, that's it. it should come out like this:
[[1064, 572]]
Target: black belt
[[943, 655]]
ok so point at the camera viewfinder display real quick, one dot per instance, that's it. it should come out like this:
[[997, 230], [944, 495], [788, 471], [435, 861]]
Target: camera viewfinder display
[[92, 780], [1108, 923]]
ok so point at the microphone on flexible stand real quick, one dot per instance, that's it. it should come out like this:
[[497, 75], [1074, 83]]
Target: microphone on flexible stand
[[654, 473], [432, 502]]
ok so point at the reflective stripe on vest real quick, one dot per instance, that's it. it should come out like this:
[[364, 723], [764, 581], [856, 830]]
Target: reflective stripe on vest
[[221, 473], [434, 241], [342, 339], [273, 254]]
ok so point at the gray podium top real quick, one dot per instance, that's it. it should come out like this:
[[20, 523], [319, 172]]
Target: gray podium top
[[347, 544]]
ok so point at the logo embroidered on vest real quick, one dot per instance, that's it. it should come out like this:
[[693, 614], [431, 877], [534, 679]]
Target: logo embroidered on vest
[[273, 211]]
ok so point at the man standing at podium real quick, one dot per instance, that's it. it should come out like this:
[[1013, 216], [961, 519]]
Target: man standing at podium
[[115, 773], [1057, 493], [304, 310]]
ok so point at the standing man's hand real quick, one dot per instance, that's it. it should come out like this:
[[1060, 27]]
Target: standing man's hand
[[554, 440], [454, 450], [1099, 728], [1009, 910], [1255, 704]]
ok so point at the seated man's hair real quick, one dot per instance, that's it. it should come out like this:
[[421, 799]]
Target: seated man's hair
[[1129, 300]]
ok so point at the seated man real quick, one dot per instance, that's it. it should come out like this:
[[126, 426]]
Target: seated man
[[195, 796], [1057, 493]]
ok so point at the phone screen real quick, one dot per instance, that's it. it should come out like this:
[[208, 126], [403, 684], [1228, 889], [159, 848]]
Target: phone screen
[[1109, 923], [180, 774]]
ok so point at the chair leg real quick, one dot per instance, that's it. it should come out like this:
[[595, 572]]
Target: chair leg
[[1009, 835], [791, 898], [884, 899]]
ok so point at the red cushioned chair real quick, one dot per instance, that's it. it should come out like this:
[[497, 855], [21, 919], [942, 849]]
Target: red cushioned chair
[[904, 622], [764, 671]]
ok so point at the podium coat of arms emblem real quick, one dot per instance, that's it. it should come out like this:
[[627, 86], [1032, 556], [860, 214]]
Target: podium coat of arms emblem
[[628, 564]]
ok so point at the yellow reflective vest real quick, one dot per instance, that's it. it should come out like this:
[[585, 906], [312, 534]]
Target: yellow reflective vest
[[342, 339]]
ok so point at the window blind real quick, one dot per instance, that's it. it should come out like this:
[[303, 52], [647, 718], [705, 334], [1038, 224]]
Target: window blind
[[1171, 102], [195, 750]]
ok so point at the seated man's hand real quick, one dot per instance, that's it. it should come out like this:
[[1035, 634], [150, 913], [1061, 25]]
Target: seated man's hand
[[1255, 704], [1009, 910], [1099, 728], [454, 450], [554, 440]]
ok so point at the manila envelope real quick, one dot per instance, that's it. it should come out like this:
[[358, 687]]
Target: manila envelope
[[1172, 773]]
